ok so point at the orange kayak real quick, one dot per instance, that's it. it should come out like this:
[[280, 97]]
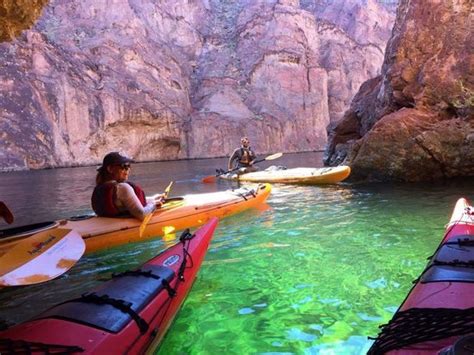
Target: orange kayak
[[188, 211]]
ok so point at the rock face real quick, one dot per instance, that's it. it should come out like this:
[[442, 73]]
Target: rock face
[[18, 15], [415, 121], [180, 79], [349, 59]]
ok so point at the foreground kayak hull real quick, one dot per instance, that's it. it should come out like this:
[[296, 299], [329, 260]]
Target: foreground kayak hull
[[104, 328], [100, 233], [438, 310], [301, 176]]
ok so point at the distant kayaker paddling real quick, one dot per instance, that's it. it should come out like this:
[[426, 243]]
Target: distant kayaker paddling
[[115, 196], [243, 158]]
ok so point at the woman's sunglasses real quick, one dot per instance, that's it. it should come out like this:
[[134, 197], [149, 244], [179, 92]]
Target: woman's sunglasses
[[124, 166]]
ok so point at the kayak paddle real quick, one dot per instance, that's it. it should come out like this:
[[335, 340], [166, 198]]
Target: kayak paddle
[[5, 213], [212, 178], [167, 190], [40, 257], [149, 215]]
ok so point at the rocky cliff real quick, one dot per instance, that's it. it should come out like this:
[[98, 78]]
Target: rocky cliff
[[415, 121], [179, 79]]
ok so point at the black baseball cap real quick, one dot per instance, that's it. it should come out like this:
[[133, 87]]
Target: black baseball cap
[[115, 158]]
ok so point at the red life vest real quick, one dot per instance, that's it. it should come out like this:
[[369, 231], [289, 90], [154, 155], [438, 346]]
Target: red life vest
[[103, 199]]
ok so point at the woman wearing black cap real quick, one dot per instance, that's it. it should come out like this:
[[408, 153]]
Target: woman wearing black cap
[[114, 196]]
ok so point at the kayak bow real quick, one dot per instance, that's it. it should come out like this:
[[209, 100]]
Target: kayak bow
[[438, 314], [128, 314]]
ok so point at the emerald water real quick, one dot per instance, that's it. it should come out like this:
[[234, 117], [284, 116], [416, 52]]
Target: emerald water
[[315, 271], [315, 274]]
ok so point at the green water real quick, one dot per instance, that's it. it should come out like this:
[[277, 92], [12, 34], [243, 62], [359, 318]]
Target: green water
[[316, 272]]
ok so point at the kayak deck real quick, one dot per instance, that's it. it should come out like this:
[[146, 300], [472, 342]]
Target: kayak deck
[[439, 309]]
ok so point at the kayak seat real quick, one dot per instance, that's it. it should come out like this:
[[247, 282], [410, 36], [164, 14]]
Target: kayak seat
[[118, 301], [453, 261]]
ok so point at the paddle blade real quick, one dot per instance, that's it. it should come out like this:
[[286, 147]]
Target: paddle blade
[[209, 179], [167, 190], [144, 224], [274, 156], [41, 257]]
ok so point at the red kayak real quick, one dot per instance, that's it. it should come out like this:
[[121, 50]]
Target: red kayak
[[128, 314], [437, 317]]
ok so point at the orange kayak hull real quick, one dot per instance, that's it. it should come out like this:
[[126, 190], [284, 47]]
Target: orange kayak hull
[[101, 233]]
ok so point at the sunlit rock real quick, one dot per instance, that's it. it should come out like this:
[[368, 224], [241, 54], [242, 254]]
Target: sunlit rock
[[415, 122], [18, 15]]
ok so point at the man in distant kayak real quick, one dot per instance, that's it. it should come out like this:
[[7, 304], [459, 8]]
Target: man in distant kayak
[[243, 158], [115, 196], [5, 213]]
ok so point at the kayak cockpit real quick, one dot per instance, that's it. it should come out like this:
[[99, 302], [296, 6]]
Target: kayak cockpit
[[118, 302], [23, 231]]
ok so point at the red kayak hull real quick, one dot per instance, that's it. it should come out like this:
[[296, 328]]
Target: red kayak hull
[[431, 291], [52, 327]]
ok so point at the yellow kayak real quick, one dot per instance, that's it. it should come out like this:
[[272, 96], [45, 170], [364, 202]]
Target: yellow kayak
[[188, 211], [304, 176]]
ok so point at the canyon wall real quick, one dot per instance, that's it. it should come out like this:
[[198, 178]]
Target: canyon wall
[[179, 79]]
